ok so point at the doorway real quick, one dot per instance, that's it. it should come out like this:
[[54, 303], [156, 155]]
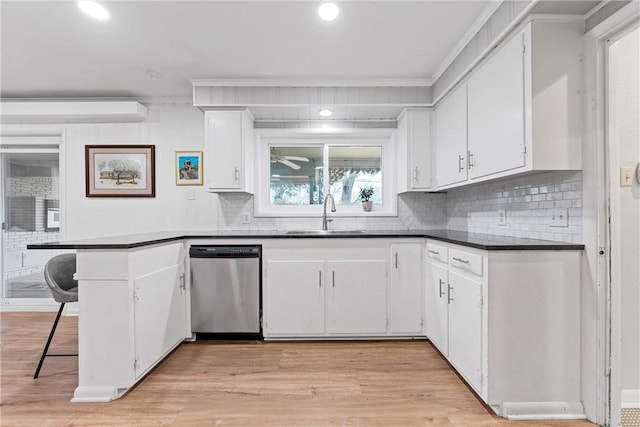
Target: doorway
[[31, 213]]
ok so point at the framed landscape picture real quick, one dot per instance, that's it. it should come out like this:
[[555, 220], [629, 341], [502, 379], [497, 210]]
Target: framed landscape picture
[[188, 167], [120, 170]]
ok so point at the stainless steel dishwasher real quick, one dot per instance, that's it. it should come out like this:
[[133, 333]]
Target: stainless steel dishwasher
[[225, 291]]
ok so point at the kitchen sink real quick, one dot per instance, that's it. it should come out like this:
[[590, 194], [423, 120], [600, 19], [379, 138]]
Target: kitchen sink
[[329, 232]]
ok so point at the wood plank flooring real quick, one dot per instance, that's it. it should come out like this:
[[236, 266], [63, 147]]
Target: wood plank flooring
[[386, 383]]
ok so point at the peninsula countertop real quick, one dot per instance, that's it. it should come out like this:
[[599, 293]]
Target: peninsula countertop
[[474, 240]]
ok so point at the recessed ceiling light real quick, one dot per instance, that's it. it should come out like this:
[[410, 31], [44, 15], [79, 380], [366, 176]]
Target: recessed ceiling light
[[94, 10], [328, 10], [325, 112]]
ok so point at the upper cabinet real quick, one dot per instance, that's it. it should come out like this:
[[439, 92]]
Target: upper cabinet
[[229, 145], [414, 150], [451, 138], [521, 110]]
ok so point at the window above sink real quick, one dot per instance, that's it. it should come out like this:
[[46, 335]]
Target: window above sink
[[297, 169]]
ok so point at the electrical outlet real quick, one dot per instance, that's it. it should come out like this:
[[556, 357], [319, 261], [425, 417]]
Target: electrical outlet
[[502, 217], [558, 218], [246, 218]]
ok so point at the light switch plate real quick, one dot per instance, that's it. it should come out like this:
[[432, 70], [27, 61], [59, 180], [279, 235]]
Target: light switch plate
[[558, 218], [502, 217], [626, 177]]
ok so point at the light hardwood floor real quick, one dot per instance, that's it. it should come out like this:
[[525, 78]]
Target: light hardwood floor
[[386, 383]]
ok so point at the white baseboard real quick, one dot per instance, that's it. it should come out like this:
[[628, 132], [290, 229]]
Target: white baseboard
[[37, 305], [631, 399], [542, 410]]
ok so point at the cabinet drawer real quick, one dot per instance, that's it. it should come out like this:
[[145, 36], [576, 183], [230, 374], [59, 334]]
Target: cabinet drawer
[[437, 252], [466, 261]]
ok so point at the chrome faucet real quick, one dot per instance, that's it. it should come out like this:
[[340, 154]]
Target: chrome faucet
[[324, 213]]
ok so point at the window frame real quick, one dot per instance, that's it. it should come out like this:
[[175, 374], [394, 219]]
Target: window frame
[[266, 138]]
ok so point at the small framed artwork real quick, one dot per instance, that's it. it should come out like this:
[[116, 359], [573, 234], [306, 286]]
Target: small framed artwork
[[120, 170], [188, 167]]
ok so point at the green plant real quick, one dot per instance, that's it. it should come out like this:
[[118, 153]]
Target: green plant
[[366, 192]]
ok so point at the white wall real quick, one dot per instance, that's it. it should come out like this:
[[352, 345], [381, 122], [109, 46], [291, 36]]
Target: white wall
[[625, 152], [169, 127]]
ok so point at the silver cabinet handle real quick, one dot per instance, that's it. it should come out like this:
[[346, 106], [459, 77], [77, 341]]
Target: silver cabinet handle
[[433, 252], [470, 155], [464, 261], [236, 174], [449, 298], [415, 174], [441, 282], [460, 159], [333, 279], [319, 279], [396, 261]]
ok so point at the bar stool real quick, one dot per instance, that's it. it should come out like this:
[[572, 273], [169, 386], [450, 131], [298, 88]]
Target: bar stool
[[58, 273]]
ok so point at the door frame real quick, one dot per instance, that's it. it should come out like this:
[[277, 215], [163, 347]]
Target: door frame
[[13, 131], [597, 211]]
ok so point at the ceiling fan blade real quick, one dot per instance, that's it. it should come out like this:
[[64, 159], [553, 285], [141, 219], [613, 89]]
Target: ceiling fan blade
[[300, 159], [290, 164]]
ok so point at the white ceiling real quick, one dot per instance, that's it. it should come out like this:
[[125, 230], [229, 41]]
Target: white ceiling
[[50, 49]]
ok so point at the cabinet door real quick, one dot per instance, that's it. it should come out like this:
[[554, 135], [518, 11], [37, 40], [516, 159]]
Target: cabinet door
[[294, 297], [451, 139], [223, 148], [405, 289], [419, 150], [465, 328], [158, 296], [496, 112], [437, 307], [357, 297]]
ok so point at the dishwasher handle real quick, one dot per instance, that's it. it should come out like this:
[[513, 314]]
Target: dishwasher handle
[[225, 251]]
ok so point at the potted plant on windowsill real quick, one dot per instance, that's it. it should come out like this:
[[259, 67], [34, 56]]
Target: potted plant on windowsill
[[366, 192]]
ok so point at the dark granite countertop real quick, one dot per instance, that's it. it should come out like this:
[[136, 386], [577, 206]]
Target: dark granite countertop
[[474, 240]]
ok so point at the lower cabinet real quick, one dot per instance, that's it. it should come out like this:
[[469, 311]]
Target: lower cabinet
[[295, 297], [341, 288], [356, 297], [465, 327], [509, 322], [454, 311]]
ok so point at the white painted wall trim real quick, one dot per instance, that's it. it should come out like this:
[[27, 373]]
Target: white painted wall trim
[[312, 83], [631, 399], [606, 375]]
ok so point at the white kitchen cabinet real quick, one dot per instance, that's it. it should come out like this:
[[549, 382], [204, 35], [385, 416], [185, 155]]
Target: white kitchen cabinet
[[158, 295], [437, 299], [295, 297], [414, 150], [496, 112], [228, 153], [405, 294], [523, 109], [134, 309], [505, 314], [454, 308], [356, 297], [315, 288], [465, 327], [451, 138]]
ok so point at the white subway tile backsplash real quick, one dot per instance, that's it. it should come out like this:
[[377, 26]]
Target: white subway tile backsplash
[[527, 201]]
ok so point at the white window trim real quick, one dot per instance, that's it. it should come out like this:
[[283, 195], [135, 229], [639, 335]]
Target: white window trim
[[297, 137]]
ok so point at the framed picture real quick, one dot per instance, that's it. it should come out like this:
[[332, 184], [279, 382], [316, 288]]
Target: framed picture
[[188, 167], [120, 170]]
